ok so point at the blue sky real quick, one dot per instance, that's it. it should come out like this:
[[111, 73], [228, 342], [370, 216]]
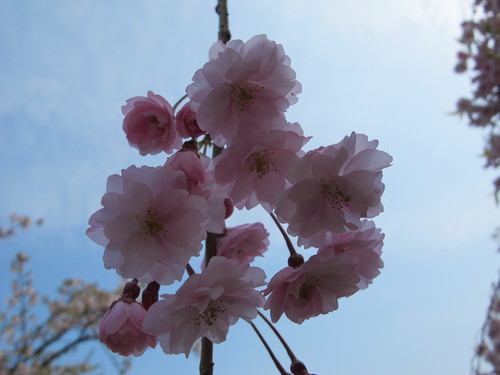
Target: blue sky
[[382, 68]]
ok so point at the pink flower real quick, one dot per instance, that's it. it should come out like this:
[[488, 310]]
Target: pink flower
[[242, 82], [190, 163], [121, 329], [186, 124], [313, 288], [334, 187], [149, 124], [253, 168], [207, 304], [149, 224], [365, 244], [244, 242], [200, 181]]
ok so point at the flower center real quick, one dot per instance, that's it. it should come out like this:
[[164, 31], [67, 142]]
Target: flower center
[[153, 121], [334, 194], [261, 163], [152, 224], [209, 316], [341, 249], [307, 288], [244, 96]]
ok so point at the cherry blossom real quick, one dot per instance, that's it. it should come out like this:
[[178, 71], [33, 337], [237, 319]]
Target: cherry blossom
[[206, 305], [186, 124], [190, 163], [334, 187], [313, 288], [365, 244], [121, 329], [242, 82], [153, 220], [199, 171], [149, 124], [244, 242], [253, 168], [149, 224]]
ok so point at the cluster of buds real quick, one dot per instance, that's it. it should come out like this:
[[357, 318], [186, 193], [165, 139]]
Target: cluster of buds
[[154, 219], [481, 41]]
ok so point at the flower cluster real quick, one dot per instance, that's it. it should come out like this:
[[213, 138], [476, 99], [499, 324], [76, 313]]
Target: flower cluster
[[154, 219], [481, 42]]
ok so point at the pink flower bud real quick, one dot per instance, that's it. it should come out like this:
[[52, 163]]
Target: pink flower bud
[[150, 294], [228, 204], [121, 329], [149, 124], [186, 123]]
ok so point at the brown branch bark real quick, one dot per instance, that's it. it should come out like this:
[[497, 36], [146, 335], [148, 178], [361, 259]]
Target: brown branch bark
[[206, 356], [221, 10]]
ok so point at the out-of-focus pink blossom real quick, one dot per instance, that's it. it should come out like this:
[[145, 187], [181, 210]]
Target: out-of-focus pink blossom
[[253, 168], [206, 305], [242, 82], [313, 288], [480, 57], [244, 242], [149, 224], [334, 187], [149, 124], [186, 124], [365, 244], [121, 329]]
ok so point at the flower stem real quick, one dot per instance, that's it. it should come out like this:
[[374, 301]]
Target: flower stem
[[273, 357], [282, 340], [178, 102], [285, 235], [190, 269]]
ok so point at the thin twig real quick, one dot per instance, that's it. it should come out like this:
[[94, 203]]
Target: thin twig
[[66, 348], [271, 354], [285, 235], [276, 332], [178, 102]]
